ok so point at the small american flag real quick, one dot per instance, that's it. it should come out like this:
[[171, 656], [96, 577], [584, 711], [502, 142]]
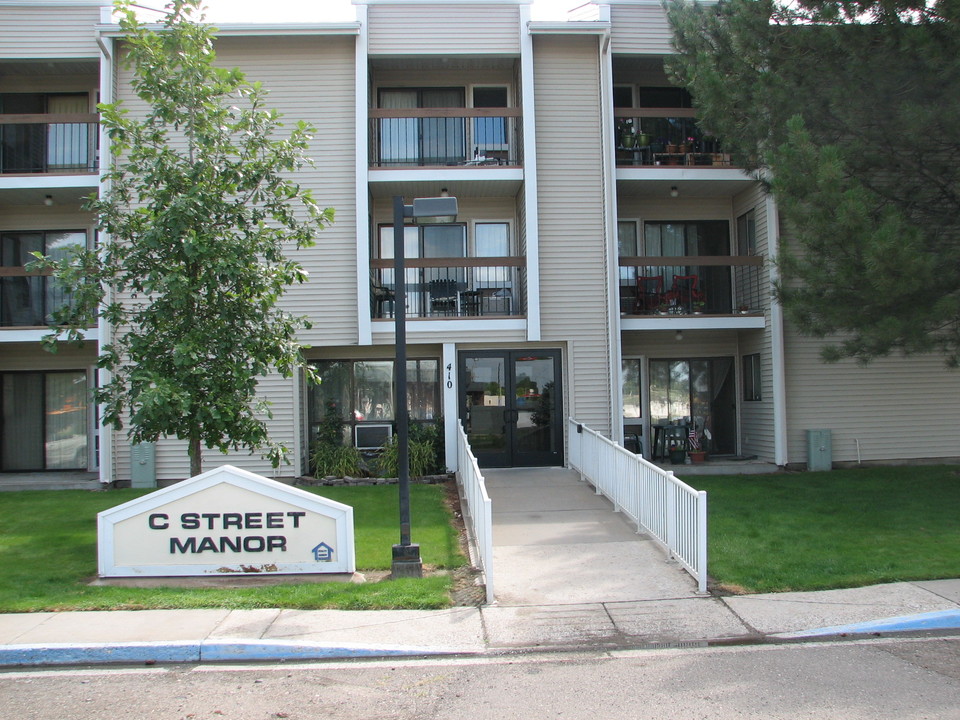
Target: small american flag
[[694, 439]]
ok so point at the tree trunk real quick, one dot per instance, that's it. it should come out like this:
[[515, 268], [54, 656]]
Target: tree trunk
[[196, 456]]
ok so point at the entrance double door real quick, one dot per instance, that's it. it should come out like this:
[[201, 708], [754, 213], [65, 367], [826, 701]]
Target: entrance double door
[[510, 405]]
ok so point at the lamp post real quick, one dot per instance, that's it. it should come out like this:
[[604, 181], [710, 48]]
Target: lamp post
[[424, 211]]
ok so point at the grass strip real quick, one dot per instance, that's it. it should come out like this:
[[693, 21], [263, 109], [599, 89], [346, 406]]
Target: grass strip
[[837, 529], [48, 554]]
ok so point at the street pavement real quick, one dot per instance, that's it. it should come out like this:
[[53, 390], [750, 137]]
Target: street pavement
[[570, 573]]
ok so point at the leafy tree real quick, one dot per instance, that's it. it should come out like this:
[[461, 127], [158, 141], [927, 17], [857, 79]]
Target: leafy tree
[[200, 211], [851, 110]]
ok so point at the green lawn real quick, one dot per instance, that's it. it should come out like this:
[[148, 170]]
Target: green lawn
[[844, 528], [48, 553]]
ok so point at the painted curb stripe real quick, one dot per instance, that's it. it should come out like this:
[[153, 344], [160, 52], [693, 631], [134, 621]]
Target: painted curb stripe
[[939, 620], [98, 654], [162, 652]]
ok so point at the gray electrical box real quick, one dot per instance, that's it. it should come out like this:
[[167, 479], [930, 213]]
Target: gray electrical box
[[143, 465], [819, 450]]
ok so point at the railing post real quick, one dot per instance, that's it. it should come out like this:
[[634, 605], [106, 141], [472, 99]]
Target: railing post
[[671, 514], [702, 542]]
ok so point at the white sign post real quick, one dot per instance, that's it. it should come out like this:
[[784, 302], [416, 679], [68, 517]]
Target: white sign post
[[226, 521]]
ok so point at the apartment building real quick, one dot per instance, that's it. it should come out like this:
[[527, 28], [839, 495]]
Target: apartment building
[[608, 262]]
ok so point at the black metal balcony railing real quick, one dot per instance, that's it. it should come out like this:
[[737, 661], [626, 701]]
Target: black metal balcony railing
[[709, 285], [444, 136], [664, 136], [451, 287], [29, 299], [49, 143]]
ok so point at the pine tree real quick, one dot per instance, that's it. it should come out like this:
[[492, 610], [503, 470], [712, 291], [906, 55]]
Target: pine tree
[[851, 112]]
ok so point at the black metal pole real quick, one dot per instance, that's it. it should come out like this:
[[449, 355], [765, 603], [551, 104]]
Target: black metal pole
[[406, 555]]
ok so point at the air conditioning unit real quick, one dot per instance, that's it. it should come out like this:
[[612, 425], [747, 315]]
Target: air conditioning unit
[[372, 436]]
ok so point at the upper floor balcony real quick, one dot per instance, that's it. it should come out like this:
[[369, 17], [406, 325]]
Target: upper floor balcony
[[453, 288], [665, 288], [55, 143], [445, 137], [665, 137]]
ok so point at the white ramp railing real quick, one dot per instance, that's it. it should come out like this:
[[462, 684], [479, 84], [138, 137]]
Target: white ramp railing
[[667, 509], [478, 513]]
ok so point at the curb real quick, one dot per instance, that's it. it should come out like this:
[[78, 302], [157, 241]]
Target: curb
[[195, 652], [938, 620]]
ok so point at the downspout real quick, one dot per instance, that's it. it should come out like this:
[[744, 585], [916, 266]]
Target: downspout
[[776, 339]]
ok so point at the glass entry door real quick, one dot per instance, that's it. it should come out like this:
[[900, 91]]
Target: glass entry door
[[510, 406]]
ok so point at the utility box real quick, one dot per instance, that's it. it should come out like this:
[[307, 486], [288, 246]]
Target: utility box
[[143, 465], [819, 450]]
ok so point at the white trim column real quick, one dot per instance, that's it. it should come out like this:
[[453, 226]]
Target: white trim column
[[104, 330], [449, 385], [776, 338], [528, 100], [362, 166]]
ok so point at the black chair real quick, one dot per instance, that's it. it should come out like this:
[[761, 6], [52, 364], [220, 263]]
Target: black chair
[[382, 296], [444, 297]]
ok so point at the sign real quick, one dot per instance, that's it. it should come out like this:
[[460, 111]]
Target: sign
[[226, 521]]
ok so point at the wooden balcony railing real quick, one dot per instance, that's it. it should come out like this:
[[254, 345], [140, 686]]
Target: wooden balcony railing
[[708, 285], [451, 287], [420, 137], [663, 137], [48, 143]]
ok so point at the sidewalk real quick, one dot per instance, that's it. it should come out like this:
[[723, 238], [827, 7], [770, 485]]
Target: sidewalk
[[570, 573]]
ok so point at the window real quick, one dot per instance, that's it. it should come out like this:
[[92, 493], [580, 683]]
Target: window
[[631, 389], [747, 233], [713, 284], [751, 377], [423, 140], [44, 420], [490, 133], [30, 301], [362, 391]]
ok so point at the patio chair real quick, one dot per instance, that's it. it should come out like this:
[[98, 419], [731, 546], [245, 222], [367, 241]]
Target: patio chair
[[685, 291], [649, 294], [444, 297]]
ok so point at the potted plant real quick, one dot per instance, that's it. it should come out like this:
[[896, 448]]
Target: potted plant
[[743, 308], [696, 452], [698, 306], [677, 453], [663, 308], [628, 138]]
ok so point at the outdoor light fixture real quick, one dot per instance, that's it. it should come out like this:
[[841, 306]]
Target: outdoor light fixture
[[678, 336], [48, 200], [674, 192], [424, 211]]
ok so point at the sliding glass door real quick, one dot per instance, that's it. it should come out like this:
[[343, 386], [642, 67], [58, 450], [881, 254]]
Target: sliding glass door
[[44, 421]]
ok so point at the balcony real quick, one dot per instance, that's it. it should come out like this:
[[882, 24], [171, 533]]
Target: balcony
[[488, 287], [443, 137], [29, 298], [664, 137], [705, 285], [48, 143]]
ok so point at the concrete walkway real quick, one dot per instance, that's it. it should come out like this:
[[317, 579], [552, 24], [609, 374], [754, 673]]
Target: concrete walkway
[[570, 573]]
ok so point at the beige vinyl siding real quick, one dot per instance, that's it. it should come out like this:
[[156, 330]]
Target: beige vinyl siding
[[38, 32], [572, 240], [172, 460], [757, 417], [634, 207], [640, 29], [27, 218], [66, 83], [30, 356], [663, 344], [312, 79], [440, 78], [446, 29], [898, 408]]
